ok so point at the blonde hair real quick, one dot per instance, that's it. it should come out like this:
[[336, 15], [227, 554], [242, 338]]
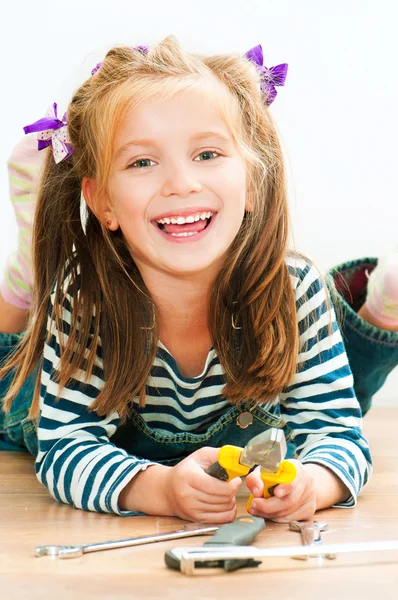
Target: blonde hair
[[109, 302]]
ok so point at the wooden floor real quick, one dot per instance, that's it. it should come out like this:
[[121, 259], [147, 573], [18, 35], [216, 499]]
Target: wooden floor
[[30, 517]]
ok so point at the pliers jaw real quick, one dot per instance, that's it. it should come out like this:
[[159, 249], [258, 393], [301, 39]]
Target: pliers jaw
[[268, 450]]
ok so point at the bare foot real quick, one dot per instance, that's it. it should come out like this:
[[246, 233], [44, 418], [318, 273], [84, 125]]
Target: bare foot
[[367, 316]]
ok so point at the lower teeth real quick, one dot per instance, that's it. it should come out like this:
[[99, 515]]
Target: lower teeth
[[185, 234]]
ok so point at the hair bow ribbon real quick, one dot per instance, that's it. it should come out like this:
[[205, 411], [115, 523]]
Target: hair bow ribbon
[[142, 49], [270, 77], [52, 132]]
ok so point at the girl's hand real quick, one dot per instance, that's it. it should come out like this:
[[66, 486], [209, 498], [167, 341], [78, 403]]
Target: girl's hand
[[295, 501], [196, 496]]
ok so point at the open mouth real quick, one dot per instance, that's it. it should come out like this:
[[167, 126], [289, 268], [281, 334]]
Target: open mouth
[[183, 227]]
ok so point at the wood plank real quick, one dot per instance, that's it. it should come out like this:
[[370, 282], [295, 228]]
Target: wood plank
[[30, 517]]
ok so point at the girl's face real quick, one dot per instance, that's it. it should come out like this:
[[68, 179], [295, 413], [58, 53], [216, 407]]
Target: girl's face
[[177, 186]]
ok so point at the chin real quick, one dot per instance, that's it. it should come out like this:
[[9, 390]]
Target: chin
[[186, 268]]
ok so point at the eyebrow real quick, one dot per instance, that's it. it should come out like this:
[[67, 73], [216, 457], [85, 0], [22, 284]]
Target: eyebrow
[[196, 136]]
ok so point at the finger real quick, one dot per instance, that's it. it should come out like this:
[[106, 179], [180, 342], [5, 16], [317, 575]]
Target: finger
[[215, 487], [215, 517], [215, 501], [266, 506], [210, 456], [235, 484], [204, 505], [290, 492], [292, 502], [273, 508], [280, 500], [254, 483], [305, 512], [276, 506], [283, 490]]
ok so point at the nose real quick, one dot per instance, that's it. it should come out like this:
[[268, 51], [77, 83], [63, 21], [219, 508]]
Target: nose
[[179, 180]]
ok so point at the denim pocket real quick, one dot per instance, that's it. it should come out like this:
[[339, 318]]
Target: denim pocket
[[270, 415], [17, 428], [12, 427], [29, 429]]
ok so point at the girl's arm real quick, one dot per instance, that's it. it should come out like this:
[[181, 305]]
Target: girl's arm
[[79, 465], [321, 411], [24, 167], [320, 406], [76, 460]]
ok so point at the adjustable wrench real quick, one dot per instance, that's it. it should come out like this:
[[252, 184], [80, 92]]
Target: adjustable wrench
[[76, 551]]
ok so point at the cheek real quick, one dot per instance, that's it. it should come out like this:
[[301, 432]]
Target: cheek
[[236, 182], [237, 194], [128, 204]]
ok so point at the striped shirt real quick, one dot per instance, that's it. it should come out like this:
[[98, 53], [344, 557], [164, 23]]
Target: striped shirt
[[80, 465]]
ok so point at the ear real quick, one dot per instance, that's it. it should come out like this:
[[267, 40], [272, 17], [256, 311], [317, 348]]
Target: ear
[[100, 206]]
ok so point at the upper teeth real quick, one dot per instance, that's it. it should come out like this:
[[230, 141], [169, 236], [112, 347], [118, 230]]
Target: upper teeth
[[182, 220]]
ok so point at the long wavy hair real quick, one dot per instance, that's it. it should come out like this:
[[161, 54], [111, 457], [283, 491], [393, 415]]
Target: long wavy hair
[[107, 298]]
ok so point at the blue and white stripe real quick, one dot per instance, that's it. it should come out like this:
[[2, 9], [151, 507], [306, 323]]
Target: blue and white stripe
[[320, 404], [79, 465]]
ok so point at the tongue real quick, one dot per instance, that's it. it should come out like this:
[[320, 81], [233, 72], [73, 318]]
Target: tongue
[[197, 226]]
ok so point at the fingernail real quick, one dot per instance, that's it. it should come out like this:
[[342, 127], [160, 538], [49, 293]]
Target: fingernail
[[253, 506], [281, 493]]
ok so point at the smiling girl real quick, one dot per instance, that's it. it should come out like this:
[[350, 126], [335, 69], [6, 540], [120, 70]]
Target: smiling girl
[[173, 318]]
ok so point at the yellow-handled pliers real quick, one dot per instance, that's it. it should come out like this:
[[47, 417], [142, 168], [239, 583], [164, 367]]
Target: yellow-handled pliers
[[266, 450]]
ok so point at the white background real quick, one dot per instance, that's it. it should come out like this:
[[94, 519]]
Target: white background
[[337, 114]]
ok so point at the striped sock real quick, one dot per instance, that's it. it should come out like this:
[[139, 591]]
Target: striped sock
[[382, 293], [24, 167]]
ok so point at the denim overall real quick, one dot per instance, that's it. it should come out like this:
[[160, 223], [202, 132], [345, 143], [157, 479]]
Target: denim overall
[[18, 432], [140, 440], [372, 353]]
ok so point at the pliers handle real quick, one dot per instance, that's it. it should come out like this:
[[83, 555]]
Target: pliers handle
[[285, 473], [229, 466]]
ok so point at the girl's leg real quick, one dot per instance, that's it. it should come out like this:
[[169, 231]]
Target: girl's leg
[[17, 432], [381, 304], [24, 164], [372, 351]]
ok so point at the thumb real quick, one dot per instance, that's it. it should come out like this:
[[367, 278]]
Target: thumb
[[236, 483], [255, 484], [206, 456]]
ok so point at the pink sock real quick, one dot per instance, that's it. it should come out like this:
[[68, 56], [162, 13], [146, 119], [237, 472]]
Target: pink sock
[[382, 295]]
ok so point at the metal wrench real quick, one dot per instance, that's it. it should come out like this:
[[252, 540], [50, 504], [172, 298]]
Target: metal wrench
[[75, 551], [310, 532]]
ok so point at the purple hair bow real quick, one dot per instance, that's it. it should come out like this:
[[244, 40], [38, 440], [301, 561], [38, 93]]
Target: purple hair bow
[[143, 49], [274, 76], [52, 132]]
